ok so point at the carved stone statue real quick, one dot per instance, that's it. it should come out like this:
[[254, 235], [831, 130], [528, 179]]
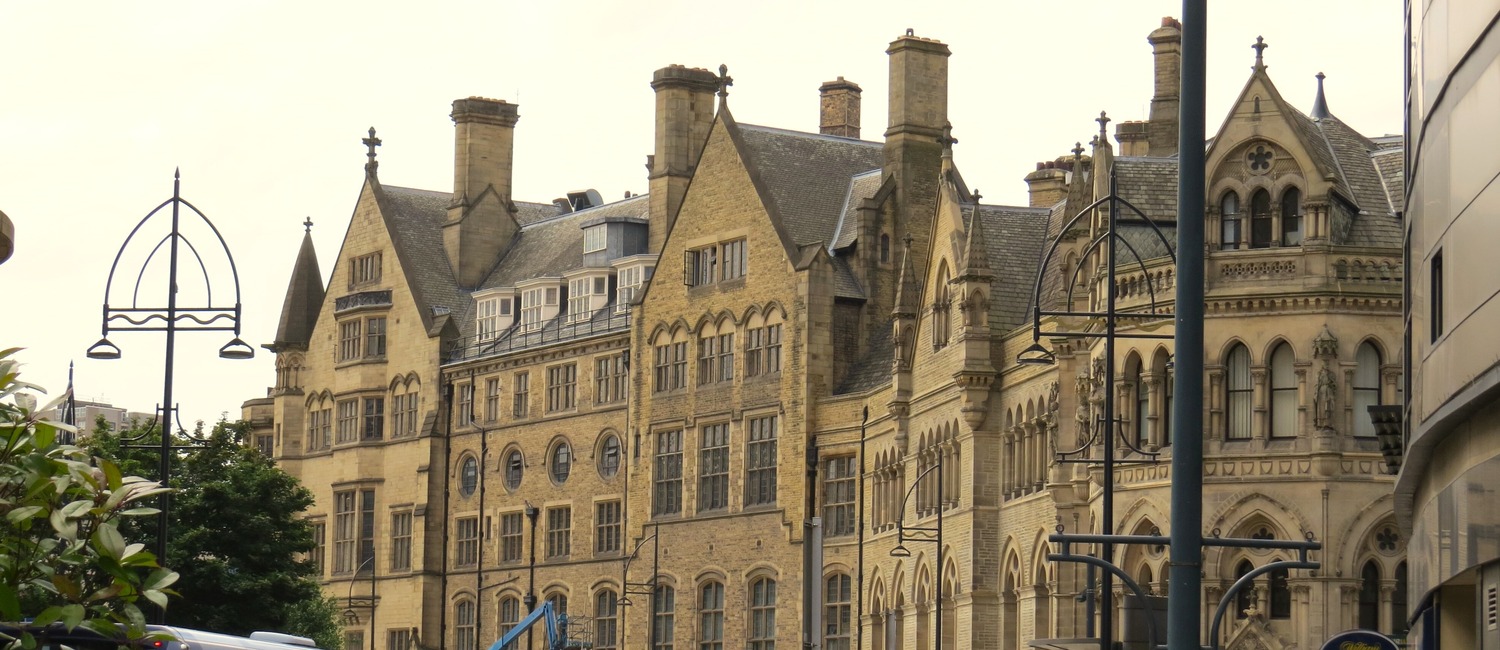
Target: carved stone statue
[[1323, 398]]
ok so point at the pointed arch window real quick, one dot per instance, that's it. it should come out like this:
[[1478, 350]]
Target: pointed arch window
[[1169, 425], [1245, 599], [1369, 597], [885, 248], [1229, 218], [1291, 217], [1142, 403], [1260, 219], [940, 321], [1398, 603], [1283, 393], [1281, 593], [1366, 388], [1237, 394]]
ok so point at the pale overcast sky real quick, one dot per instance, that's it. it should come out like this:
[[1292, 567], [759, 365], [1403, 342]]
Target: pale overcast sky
[[263, 105]]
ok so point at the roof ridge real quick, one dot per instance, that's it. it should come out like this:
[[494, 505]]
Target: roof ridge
[[565, 215], [822, 136]]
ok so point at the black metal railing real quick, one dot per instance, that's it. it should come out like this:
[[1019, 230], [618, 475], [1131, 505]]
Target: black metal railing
[[519, 337]]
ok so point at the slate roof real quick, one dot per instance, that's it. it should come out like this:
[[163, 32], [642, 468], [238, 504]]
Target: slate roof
[[873, 370], [528, 213], [861, 187], [1392, 167], [1149, 184], [808, 176], [1014, 238], [551, 247], [845, 285], [415, 218]]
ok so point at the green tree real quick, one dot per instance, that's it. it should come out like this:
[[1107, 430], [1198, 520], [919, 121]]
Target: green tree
[[62, 554], [237, 536]]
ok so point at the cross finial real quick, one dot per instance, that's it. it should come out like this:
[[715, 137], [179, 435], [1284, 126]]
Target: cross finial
[[947, 139], [371, 142], [725, 81], [907, 240], [976, 196], [1077, 150], [1103, 120], [308, 224], [1260, 50]]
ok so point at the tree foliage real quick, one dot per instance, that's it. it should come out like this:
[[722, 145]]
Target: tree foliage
[[63, 557], [237, 535]]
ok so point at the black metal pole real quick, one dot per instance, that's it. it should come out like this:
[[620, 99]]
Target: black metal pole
[[164, 468], [532, 513], [372, 602], [655, 586], [938, 642], [859, 641], [1184, 609], [1106, 587]]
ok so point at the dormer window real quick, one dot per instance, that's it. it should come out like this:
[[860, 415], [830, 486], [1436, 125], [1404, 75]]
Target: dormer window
[[585, 295], [595, 238], [535, 304], [630, 280], [493, 313]]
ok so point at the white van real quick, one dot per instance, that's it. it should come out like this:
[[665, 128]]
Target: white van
[[200, 640]]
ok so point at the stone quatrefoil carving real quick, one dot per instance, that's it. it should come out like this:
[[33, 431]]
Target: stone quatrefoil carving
[[1260, 159]]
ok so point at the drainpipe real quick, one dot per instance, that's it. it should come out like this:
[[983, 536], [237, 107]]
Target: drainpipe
[[533, 514], [859, 639], [447, 407]]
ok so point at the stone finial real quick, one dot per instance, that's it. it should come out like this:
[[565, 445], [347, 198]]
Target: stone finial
[[1260, 50], [308, 224], [1077, 152], [947, 139], [976, 249], [906, 283], [370, 143], [1320, 103], [725, 81], [1103, 121]]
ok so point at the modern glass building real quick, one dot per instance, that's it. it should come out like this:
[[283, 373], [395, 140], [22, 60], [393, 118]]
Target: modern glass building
[[1448, 492]]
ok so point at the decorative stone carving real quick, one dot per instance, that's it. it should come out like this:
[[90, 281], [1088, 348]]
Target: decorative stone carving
[[1325, 394]]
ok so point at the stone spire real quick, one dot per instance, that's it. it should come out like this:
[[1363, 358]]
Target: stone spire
[[906, 284], [976, 251], [1320, 103], [1078, 188], [304, 298]]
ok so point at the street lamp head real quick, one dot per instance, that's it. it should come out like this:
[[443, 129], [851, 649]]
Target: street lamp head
[[1036, 355], [237, 349], [103, 350], [900, 551], [624, 602]]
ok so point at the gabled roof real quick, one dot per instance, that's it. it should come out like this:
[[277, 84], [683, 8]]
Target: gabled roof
[[304, 299], [1014, 237], [553, 246], [862, 186], [807, 176], [415, 220]]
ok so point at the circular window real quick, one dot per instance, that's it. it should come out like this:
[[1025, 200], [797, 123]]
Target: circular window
[[609, 456], [468, 477], [562, 462], [514, 464]]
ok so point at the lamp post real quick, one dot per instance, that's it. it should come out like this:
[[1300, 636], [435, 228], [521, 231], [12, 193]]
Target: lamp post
[[647, 588], [933, 534], [170, 319], [352, 617]]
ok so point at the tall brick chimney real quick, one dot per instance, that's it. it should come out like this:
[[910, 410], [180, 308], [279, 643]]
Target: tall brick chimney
[[481, 219], [913, 156], [838, 108], [684, 114], [1166, 48], [1048, 184]]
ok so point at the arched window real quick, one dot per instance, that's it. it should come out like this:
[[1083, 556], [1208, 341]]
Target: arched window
[[940, 322], [711, 616], [1281, 593], [1142, 402], [1260, 219], [559, 602], [1398, 603], [836, 613], [464, 616], [1369, 597], [1229, 217], [1283, 393], [1237, 393], [885, 248], [1291, 217], [515, 464], [468, 477], [762, 624], [1366, 388], [1245, 599], [1144, 578], [606, 608], [1169, 425], [510, 614], [662, 619], [561, 465], [609, 456]]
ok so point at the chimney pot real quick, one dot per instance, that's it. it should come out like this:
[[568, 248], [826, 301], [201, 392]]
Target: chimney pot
[[839, 108]]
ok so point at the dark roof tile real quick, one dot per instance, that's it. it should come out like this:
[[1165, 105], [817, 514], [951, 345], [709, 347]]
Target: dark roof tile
[[808, 176]]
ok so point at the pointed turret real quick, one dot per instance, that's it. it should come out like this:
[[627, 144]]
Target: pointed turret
[[906, 285], [1078, 183], [976, 250], [1320, 104], [304, 299]]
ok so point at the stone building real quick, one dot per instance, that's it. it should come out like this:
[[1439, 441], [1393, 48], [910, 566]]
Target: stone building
[[497, 403]]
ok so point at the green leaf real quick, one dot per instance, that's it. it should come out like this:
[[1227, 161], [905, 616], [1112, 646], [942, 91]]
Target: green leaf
[[72, 615], [112, 473], [10, 604], [23, 512], [156, 597], [160, 579], [110, 538], [48, 616]]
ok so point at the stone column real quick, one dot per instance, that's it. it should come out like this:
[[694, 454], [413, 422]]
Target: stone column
[[1259, 426]]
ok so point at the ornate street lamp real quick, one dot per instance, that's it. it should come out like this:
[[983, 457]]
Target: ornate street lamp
[[170, 319], [932, 534]]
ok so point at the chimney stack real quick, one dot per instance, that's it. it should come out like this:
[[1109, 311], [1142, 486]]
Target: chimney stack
[[684, 115], [913, 156], [838, 108], [1048, 184], [1134, 138], [481, 220], [1166, 48]]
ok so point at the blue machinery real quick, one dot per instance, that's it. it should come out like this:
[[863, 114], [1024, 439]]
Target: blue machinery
[[556, 626]]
